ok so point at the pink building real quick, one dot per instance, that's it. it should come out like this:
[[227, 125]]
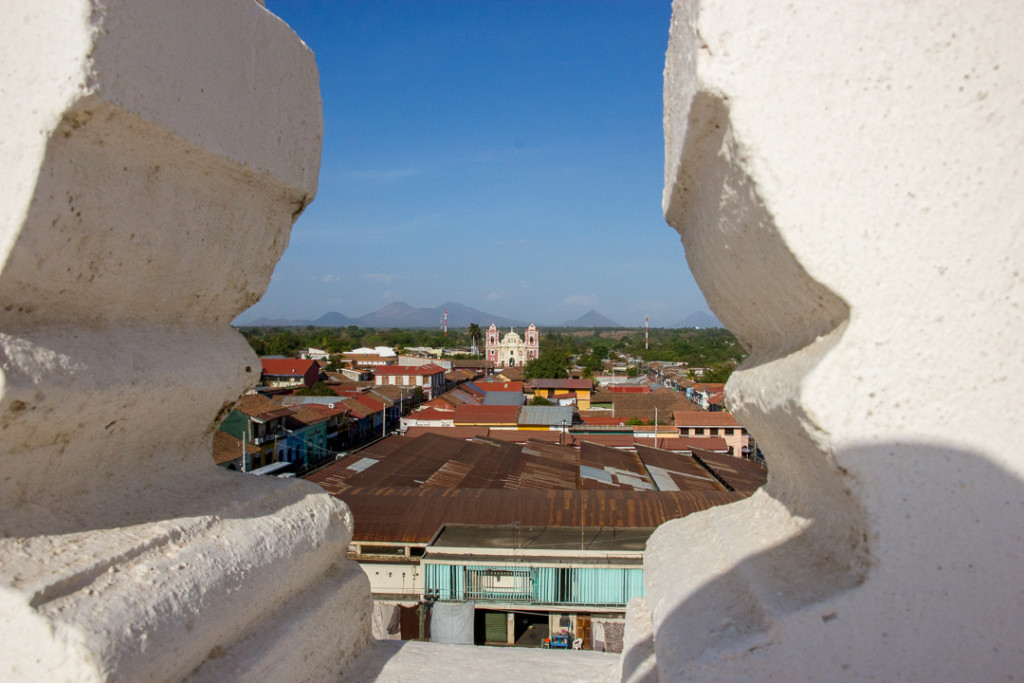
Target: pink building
[[512, 349], [718, 424]]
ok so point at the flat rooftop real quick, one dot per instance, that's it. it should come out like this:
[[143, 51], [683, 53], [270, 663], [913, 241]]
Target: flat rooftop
[[508, 536]]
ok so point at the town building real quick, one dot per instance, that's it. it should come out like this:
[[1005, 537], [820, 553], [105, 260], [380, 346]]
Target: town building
[[289, 372], [370, 358], [520, 528], [429, 378], [512, 349], [259, 422], [231, 453], [579, 389], [698, 423]]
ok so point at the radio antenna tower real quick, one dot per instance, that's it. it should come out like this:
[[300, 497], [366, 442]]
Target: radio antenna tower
[[444, 323]]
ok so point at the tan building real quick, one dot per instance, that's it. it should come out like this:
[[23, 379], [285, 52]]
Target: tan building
[[579, 388], [718, 424]]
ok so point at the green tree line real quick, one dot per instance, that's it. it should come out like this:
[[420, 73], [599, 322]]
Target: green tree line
[[561, 348]]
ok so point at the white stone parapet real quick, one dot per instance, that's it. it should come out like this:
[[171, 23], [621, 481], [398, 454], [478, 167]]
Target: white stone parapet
[[155, 156], [845, 178]]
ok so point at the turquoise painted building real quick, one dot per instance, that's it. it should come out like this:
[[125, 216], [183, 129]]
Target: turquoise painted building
[[555, 586]]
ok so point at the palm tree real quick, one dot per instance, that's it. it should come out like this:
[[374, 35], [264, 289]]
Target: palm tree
[[475, 333]]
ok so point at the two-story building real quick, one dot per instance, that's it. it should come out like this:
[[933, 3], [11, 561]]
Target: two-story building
[[429, 378], [258, 421], [579, 388], [289, 372], [721, 424]]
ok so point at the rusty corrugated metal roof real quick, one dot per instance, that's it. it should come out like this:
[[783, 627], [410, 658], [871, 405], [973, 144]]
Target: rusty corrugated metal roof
[[742, 475], [403, 490], [681, 469], [414, 515]]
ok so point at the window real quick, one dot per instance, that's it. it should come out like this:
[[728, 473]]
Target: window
[[698, 431]]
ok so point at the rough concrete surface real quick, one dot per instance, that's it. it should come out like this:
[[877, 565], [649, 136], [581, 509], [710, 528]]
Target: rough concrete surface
[[844, 179]]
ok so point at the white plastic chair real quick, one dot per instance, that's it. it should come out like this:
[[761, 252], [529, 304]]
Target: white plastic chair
[[577, 644]]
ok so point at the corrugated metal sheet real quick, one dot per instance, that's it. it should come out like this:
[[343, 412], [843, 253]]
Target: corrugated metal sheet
[[604, 455], [588, 472], [418, 485], [742, 475], [491, 415], [450, 432], [504, 398], [549, 416], [411, 515], [684, 473], [451, 474]]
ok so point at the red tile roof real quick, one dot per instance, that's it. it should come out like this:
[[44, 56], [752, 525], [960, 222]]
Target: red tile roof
[[470, 414], [601, 420], [307, 415], [500, 386], [227, 447], [255, 405], [431, 414], [702, 419], [573, 384], [327, 411], [647, 430], [441, 403], [357, 409], [373, 404], [411, 370], [288, 367]]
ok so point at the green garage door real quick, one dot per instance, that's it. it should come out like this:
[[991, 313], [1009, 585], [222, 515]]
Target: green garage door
[[496, 627]]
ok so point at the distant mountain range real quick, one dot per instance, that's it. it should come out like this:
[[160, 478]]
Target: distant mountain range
[[402, 315], [591, 319], [701, 319]]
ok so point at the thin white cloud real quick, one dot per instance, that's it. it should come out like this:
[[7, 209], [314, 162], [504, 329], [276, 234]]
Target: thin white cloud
[[379, 277], [328, 278]]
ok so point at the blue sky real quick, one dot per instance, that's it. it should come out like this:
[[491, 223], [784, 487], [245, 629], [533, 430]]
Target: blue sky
[[507, 155]]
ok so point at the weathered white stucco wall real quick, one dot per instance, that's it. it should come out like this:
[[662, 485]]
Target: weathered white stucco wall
[[154, 158], [845, 177]]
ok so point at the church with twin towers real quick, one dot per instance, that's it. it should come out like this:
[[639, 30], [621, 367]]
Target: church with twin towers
[[512, 349]]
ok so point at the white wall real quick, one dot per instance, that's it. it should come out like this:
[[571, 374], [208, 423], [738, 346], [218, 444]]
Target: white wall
[[845, 181]]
